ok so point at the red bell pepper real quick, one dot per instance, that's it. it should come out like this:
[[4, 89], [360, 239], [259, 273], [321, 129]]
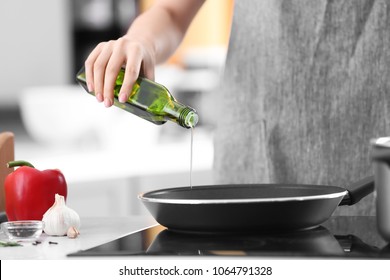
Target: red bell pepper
[[30, 192]]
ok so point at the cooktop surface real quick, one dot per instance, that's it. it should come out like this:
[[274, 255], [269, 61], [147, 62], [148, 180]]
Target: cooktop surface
[[339, 237]]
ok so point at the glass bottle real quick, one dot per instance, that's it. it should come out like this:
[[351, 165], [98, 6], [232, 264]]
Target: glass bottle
[[150, 101]]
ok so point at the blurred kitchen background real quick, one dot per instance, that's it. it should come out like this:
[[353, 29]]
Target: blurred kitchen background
[[107, 155]]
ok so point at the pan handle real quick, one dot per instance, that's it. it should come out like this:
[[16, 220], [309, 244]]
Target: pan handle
[[358, 190], [380, 154]]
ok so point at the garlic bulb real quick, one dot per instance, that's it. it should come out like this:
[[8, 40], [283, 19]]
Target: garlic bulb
[[59, 218]]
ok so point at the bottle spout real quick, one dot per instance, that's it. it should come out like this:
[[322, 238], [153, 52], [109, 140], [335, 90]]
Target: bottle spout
[[188, 118], [192, 119]]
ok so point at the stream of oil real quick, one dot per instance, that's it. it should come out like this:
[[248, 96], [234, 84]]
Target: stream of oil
[[191, 154]]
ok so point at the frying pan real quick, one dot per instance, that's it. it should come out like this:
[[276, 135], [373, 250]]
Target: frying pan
[[250, 207]]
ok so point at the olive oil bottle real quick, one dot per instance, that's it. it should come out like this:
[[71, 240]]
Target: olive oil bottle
[[150, 101]]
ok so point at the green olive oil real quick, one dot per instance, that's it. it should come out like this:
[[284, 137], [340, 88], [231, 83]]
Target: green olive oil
[[150, 101]]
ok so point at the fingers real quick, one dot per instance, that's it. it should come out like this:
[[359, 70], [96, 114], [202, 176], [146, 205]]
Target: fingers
[[89, 67], [99, 74], [104, 63], [133, 66], [148, 66], [138, 60], [111, 73]]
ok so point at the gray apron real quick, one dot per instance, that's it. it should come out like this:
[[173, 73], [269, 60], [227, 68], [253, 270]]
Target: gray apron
[[305, 88]]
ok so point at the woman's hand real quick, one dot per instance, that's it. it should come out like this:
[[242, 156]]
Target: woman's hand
[[151, 39], [105, 61]]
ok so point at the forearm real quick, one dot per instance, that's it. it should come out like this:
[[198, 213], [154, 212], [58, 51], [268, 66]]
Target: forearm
[[163, 26]]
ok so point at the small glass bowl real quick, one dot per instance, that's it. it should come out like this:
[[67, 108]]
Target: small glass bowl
[[23, 230]]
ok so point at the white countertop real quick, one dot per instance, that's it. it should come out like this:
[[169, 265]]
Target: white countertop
[[93, 232], [96, 231]]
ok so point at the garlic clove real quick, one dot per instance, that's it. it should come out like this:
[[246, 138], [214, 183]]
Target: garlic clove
[[72, 232], [59, 218]]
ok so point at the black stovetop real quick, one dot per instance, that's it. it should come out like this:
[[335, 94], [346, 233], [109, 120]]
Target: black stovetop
[[339, 237]]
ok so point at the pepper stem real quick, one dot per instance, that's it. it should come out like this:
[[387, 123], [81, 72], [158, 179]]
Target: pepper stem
[[17, 163]]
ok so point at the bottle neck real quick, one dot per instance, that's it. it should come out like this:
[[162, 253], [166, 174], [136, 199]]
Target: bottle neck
[[184, 116]]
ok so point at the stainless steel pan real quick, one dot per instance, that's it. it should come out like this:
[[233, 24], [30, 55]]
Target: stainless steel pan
[[250, 207]]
